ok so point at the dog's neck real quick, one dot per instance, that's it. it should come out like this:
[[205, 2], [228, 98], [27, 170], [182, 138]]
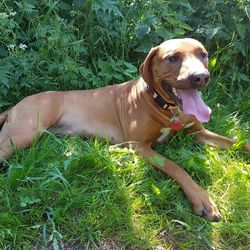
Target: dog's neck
[[164, 104], [165, 101]]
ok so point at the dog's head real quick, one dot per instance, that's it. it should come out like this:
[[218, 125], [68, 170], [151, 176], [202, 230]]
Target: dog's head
[[178, 69]]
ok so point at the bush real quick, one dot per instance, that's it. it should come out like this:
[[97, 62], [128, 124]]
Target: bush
[[61, 45]]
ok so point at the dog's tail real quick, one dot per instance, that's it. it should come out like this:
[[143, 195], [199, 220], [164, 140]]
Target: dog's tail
[[3, 117]]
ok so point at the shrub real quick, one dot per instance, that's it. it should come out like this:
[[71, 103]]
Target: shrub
[[61, 45]]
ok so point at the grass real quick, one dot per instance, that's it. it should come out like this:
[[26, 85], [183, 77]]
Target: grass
[[72, 192]]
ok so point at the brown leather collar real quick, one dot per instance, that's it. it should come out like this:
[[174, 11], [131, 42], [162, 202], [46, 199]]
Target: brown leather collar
[[159, 99]]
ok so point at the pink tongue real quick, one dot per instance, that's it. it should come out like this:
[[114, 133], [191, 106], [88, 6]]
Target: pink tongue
[[193, 104]]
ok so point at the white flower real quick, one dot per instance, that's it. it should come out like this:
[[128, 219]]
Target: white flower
[[13, 13], [69, 153], [4, 15], [136, 159], [11, 46], [23, 46]]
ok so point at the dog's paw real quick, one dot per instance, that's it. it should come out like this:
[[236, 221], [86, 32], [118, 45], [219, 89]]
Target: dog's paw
[[204, 205]]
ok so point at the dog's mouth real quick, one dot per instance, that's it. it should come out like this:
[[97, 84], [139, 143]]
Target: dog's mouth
[[189, 101]]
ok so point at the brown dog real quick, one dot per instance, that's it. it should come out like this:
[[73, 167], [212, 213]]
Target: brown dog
[[144, 111]]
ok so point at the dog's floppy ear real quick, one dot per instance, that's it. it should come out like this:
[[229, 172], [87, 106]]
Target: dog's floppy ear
[[145, 68]]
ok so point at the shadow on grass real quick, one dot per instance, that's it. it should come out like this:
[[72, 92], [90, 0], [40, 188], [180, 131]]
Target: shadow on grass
[[182, 228], [69, 192]]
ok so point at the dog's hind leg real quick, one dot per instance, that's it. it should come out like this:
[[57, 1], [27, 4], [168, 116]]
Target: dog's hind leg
[[26, 120], [16, 136], [3, 117], [19, 130], [5, 150]]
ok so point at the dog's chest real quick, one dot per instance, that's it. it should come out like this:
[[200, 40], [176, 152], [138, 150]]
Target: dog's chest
[[166, 133]]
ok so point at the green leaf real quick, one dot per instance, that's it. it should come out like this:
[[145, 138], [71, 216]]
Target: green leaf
[[241, 28], [130, 66], [141, 30], [179, 32], [242, 47], [3, 51], [212, 63], [118, 77], [243, 77], [130, 71], [164, 33], [4, 103], [77, 4], [186, 5], [208, 32], [144, 47], [157, 160], [185, 26], [23, 204], [247, 11], [64, 6], [173, 21], [104, 66], [156, 190]]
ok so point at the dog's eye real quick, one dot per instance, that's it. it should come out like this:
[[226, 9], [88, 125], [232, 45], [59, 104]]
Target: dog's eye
[[173, 59], [203, 55]]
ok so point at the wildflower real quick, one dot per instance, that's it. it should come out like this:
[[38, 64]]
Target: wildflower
[[4, 15], [69, 153], [10, 46], [13, 13], [136, 160], [23, 46]]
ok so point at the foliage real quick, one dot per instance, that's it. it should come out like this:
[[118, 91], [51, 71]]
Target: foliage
[[85, 43]]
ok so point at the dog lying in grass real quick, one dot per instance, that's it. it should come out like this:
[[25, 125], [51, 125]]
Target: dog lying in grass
[[144, 112]]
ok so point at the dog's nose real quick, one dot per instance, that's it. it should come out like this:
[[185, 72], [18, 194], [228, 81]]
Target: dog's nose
[[200, 78]]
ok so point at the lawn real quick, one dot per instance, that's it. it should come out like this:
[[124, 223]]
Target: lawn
[[70, 193]]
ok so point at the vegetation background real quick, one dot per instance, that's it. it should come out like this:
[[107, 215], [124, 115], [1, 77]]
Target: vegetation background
[[65, 192]]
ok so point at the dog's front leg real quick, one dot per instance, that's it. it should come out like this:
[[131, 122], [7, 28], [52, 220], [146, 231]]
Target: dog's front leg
[[199, 198], [205, 136]]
